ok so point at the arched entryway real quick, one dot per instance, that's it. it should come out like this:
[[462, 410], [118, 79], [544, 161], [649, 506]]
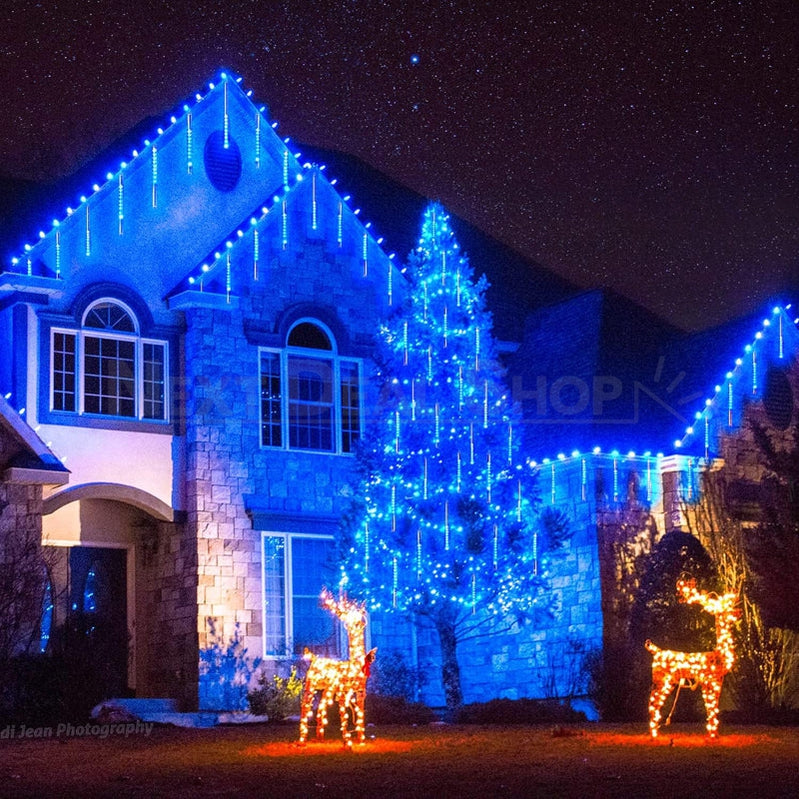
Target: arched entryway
[[96, 534]]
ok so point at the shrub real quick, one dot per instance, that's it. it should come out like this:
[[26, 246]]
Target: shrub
[[393, 677], [518, 711], [381, 709], [276, 697], [225, 671]]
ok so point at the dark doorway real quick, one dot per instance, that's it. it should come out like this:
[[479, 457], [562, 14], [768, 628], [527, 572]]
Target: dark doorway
[[98, 614]]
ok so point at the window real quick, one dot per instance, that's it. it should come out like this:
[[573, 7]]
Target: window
[[106, 368], [310, 398], [295, 569], [46, 623]]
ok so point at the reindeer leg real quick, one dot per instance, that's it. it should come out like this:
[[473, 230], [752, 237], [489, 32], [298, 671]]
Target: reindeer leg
[[711, 695], [657, 697], [306, 711], [325, 702], [343, 702], [357, 710]]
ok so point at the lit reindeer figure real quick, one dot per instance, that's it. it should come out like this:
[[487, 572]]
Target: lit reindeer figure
[[692, 669], [342, 680]]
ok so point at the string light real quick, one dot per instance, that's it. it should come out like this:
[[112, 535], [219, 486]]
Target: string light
[[258, 141], [583, 478], [226, 120], [314, 224], [120, 200], [672, 668], [154, 157], [256, 245], [189, 145], [339, 680], [88, 233]]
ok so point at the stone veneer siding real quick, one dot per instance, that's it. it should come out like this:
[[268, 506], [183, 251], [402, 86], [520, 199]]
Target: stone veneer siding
[[225, 464]]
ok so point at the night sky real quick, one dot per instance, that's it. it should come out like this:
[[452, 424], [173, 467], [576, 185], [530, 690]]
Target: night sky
[[646, 146]]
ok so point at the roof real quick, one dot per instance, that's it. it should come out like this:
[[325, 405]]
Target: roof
[[24, 457]]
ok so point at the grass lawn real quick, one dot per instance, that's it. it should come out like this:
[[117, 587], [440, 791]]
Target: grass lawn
[[430, 761]]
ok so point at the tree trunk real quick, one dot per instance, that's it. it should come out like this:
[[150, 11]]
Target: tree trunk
[[450, 670]]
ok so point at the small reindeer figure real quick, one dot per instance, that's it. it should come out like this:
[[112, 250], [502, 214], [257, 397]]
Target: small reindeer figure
[[703, 669], [342, 680]]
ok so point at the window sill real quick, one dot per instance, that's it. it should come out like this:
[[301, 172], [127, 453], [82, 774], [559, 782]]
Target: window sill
[[121, 423]]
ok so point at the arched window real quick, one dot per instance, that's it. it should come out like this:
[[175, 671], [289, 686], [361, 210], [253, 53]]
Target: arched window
[[106, 368], [310, 397]]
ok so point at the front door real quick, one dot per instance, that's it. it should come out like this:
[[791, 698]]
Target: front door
[[98, 613]]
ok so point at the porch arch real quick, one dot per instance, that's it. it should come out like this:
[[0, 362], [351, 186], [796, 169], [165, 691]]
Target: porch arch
[[128, 495]]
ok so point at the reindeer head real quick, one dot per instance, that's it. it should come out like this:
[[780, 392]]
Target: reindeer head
[[351, 613], [724, 607]]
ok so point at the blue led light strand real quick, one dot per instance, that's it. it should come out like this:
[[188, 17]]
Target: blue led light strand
[[583, 477], [88, 233], [189, 145], [754, 370], [120, 201], [314, 222], [366, 546], [284, 226], [257, 139], [155, 176], [227, 276], [226, 121], [256, 247], [729, 403], [58, 253]]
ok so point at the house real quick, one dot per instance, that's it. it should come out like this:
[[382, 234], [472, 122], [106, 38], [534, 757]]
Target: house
[[193, 342]]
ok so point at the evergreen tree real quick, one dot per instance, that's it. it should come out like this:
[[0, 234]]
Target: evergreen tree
[[445, 525]]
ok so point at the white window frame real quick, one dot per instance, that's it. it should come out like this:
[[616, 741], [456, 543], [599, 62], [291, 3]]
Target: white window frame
[[139, 342], [288, 596], [284, 355]]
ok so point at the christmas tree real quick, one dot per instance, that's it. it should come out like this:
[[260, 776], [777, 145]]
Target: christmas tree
[[445, 524]]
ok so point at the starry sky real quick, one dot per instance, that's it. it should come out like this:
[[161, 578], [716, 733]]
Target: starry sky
[[646, 146]]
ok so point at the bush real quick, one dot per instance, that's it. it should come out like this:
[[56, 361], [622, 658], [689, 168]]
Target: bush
[[518, 711], [381, 709], [277, 697], [225, 671], [393, 677]]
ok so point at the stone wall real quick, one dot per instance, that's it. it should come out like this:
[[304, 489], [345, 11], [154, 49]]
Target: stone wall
[[21, 565], [235, 489]]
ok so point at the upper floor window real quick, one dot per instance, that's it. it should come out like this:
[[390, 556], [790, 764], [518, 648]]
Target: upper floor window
[[310, 397], [107, 368]]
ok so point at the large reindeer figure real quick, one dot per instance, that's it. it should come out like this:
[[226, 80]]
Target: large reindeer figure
[[342, 680], [692, 669]]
